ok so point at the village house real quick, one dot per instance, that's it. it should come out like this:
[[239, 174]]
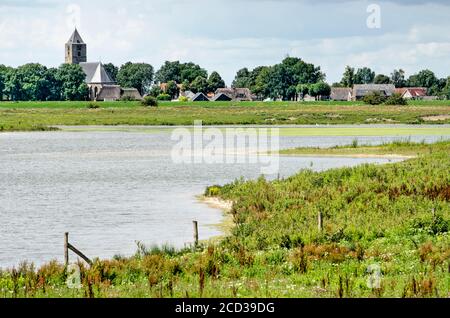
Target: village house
[[235, 94], [200, 97], [101, 87], [341, 94], [222, 97], [412, 92], [361, 91]]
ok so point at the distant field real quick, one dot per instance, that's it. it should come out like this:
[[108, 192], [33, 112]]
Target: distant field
[[26, 116], [398, 148]]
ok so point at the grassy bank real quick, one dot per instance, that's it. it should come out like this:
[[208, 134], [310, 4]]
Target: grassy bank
[[399, 148], [40, 116], [389, 222]]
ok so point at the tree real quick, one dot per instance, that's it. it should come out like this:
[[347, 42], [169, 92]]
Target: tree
[[215, 81], [170, 71], [54, 90], [136, 75], [199, 85], [364, 76], [112, 71], [382, 79], [71, 79], [179, 72], [320, 89], [446, 90], [261, 86], [303, 90], [155, 91], [398, 78], [348, 78], [191, 71], [30, 82], [242, 79], [285, 77], [425, 78], [172, 89], [3, 70]]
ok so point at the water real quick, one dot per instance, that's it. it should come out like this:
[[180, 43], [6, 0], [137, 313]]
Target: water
[[111, 189]]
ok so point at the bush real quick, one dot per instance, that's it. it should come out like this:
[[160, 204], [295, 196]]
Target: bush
[[127, 98], [213, 191], [93, 106], [183, 99], [164, 97], [149, 101], [396, 99], [374, 98]]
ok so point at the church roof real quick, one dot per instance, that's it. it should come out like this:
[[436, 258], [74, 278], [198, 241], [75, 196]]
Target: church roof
[[75, 38], [96, 73]]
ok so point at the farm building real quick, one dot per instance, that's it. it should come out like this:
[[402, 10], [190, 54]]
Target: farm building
[[200, 97], [131, 93], [221, 98], [361, 91], [236, 94], [412, 92], [341, 94], [110, 93]]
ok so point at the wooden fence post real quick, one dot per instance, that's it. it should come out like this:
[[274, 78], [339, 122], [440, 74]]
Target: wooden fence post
[[196, 233], [66, 249], [68, 246], [320, 221]]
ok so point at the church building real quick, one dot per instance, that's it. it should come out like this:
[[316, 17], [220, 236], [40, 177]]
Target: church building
[[101, 87]]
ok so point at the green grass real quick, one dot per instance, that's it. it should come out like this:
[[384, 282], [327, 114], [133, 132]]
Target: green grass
[[42, 115], [396, 216], [398, 148]]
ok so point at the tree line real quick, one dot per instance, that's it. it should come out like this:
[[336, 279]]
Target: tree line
[[291, 79], [425, 78], [36, 82]]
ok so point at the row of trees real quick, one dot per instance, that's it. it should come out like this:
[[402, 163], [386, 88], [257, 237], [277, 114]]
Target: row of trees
[[189, 75], [280, 81], [425, 78], [289, 80], [35, 82]]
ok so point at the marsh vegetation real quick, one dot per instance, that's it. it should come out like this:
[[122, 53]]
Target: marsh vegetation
[[384, 223]]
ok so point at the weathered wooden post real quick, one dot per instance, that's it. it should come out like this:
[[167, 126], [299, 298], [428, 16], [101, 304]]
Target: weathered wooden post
[[66, 249], [196, 233], [320, 221]]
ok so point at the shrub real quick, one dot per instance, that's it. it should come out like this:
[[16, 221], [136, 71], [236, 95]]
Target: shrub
[[374, 98], [183, 99], [127, 98], [396, 99], [164, 97], [213, 191], [93, 106], [149, 101]]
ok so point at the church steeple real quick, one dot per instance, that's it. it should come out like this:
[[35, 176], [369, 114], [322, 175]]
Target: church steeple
[[76, 49]]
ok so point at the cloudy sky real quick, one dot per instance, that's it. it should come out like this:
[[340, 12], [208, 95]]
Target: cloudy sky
[[226, 35]]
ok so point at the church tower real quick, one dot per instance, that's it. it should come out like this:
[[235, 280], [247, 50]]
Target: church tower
[[76, 49]]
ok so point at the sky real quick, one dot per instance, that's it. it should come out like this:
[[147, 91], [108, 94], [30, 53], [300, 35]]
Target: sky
[[227, 35]]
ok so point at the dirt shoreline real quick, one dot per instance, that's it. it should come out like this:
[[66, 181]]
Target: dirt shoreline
[[226, 225]]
